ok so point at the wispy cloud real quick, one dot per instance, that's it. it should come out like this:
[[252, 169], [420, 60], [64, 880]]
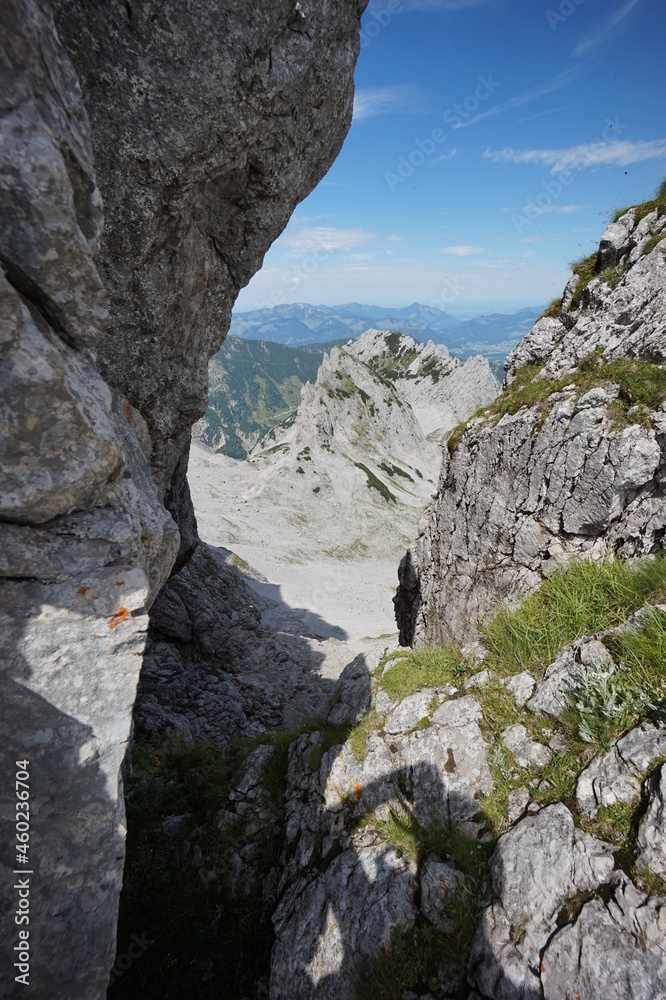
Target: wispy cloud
[[449, 154], [542, 114], [307, 239], [604, 30], [552, 209], [533, 94], [371, 102], [462, 251], [620, 153]]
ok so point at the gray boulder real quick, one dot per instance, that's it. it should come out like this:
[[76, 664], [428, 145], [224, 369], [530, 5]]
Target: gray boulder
[[201, 159], [539, 864], [615, 950], [652, 830]]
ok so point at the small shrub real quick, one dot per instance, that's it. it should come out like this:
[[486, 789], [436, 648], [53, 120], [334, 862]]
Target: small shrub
[[586, 268], [604, 703], [553, 310]]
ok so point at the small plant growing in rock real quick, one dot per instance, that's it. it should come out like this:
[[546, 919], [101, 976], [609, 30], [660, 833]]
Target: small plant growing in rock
[[604, 703]]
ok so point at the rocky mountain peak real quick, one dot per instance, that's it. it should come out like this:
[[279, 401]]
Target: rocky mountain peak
[[570, 459]]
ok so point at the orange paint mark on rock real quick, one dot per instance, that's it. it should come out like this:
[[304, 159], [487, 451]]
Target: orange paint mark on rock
[[83, 590], [120, 616], [95, 597], [128, 413], [119, 583], [357, 789], [203, 278]]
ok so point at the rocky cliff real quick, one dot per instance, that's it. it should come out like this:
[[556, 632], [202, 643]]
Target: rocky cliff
[[203, 126], [571, 457]]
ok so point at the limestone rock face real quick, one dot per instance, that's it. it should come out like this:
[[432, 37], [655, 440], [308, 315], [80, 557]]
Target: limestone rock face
[[209, 124], [205, 125], [580, 473], [85, 542]]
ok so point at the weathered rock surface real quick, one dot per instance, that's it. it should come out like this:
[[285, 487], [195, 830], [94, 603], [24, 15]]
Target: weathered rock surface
[[327, 927], [523, 493], [85, 542], [616, 776], [223, 660], [209, 125], [652, 829], [536, 867], [615, 950]]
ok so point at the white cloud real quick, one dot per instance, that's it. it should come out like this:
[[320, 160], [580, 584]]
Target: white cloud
[[308, 239], [619, 153], [533, 94], [551, 209], [371, 102], [462, 251], [605, 29], [449, 154]]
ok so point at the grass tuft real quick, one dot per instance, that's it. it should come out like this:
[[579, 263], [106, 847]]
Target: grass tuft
[[426, 667], [586, 268], [582, 598], [358, 738]]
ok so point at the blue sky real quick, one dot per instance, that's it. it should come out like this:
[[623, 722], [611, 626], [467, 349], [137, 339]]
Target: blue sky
[[491, 140]]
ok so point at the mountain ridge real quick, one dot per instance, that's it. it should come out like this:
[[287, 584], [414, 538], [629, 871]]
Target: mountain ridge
[[298, 324]]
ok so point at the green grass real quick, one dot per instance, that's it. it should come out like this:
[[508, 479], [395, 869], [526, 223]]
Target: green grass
[[642, 387], [657, 202], [586, 268], [583, 598], [613, 275], [425, 667], [553, 310], [370, 723], [653, 242]]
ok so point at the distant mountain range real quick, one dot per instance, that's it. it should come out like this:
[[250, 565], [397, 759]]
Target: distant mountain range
[[252, 386], [296, 325]]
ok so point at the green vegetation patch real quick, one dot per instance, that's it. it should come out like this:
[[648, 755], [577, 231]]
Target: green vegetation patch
[[586, 268], [658, 203], [395, 470], [404, 672], [553, 310], [642, 388], [358, 737], [613, 275], [374, 483], [653, 242], [582, 598]]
